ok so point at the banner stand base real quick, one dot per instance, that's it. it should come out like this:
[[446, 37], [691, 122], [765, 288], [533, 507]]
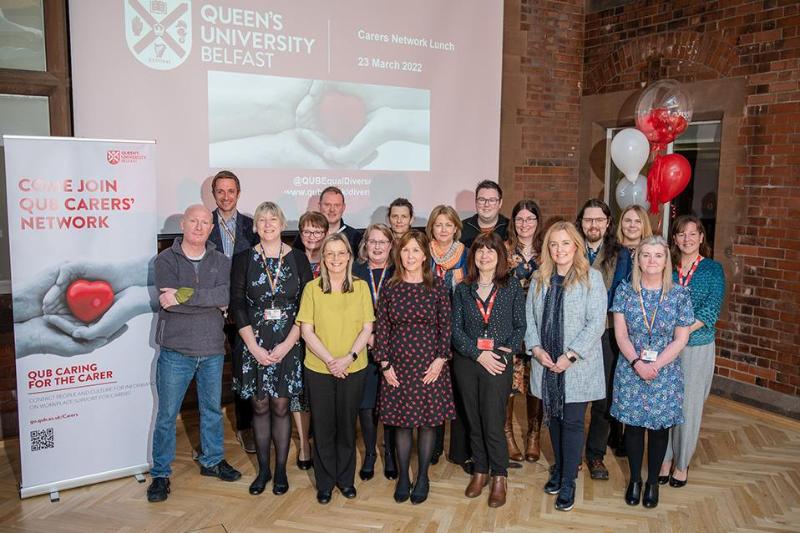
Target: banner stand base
[[55, 487], [139, 478], [55, 497]]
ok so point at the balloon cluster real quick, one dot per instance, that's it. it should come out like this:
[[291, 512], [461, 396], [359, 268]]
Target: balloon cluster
[[663, 113]]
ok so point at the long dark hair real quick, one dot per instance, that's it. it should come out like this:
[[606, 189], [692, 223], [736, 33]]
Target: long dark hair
[[399, 269], [533, 207], [611, 245], [491, 241]]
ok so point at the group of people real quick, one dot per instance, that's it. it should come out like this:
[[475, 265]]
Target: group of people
[[413, 329]]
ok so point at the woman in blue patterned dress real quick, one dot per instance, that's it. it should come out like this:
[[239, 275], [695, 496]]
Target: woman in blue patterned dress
[[651, 324], [266, 283]]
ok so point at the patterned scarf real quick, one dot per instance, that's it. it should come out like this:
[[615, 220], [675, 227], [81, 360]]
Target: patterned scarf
[[553, 343]]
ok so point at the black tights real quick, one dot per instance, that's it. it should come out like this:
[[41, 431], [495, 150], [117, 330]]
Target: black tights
[[271, 421], [656, 449], [404, 439], [369, 430]]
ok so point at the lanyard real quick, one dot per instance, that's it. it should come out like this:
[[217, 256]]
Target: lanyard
[[376, 290], [647, 321], [486, 312], [227, 230], [273, 282], [684, 280], [440, 271]]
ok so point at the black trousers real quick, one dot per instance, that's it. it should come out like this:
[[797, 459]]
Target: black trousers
[[334, 406], [600, 424], [242, 408], [566, 436], [484, 397], [459, 451]]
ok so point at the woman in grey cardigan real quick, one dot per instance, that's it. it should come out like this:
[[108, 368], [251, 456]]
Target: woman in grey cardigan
[[566, 313]]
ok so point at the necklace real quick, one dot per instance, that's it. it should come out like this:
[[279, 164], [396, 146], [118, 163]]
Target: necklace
[[484, 285]]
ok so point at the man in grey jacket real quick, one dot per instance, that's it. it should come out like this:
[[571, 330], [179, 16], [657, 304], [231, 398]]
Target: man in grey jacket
[[194, 280]]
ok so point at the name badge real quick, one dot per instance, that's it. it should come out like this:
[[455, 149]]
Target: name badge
[[485, 344], [649, 355], [272, 313]]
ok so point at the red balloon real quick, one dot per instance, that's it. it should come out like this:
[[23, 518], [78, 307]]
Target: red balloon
[[674, 176]]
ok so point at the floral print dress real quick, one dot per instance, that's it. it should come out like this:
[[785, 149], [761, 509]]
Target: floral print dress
[[659, 403]]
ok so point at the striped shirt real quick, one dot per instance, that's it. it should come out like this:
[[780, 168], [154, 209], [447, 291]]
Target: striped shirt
[[227, 232]]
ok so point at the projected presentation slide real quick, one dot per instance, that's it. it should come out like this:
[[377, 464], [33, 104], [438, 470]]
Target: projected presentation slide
[[382, 99]]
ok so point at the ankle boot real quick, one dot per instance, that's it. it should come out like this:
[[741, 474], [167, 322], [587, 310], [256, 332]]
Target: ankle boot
[[476, 485], [534, 408], [513, 451], [497, 497]]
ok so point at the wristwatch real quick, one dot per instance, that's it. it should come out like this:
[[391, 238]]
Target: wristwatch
[[571, 357], [354, 355]]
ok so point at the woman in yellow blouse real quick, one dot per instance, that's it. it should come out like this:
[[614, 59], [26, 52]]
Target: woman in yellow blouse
[[335, 318]]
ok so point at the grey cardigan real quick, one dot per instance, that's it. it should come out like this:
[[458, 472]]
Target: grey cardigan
[[584, 323]]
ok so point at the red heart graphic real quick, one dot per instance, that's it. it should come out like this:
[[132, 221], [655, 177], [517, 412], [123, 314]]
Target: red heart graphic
[[341, 116], [88, 300]]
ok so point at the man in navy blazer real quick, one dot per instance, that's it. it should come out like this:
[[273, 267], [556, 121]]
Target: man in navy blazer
[[233, 233]]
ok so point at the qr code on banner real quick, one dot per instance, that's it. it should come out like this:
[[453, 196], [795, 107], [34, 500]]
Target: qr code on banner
[[42, 439]]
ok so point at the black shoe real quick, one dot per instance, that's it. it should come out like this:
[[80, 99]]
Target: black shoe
[[221, 470], [468, 466], [401, 494], [280, 485], [663, 480], [634, 493], [390, 473], [259, 483], [566, 496], [158, 489], [366, 475], [324, 496], [677, 483], [420, 492], [553, 484], [650, 498], [348, 492], [305, 465]]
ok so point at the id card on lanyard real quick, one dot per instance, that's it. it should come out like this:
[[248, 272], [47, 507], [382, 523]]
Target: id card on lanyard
[[272, 312], [485, 342], [648, 354]]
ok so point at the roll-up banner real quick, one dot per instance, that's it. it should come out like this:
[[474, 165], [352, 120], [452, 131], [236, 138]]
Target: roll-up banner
[[82, 233]]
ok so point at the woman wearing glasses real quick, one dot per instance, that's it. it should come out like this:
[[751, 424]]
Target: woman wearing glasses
[[705, 279], [374, 266], [522, 255], [266, 284], [313, 228], [335, 319]]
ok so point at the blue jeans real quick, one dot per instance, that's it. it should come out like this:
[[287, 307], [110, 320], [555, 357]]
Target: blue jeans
[[174, 372]]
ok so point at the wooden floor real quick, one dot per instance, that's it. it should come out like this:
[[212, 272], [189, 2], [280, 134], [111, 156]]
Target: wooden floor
[[745, 477]]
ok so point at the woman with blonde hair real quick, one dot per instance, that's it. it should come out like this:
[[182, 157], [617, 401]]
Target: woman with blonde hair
[[566, 313], [651, 323], [335, 319], [374, 266], [634, 225]]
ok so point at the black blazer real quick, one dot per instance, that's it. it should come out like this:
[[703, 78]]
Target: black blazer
[[245, 236]]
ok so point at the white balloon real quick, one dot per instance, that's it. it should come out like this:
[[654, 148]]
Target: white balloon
[[632, 193], [629, 152]]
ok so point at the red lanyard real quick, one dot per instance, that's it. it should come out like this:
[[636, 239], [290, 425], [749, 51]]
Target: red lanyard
[[273, 282], [684, 280], [376, 290], [486, 312]]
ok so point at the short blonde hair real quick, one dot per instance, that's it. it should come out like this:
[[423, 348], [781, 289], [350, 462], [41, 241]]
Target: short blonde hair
[[451, 214], [362, 247], [636, 273], [268, 208]]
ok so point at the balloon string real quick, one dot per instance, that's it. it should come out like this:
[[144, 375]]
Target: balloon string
[[654, 184]]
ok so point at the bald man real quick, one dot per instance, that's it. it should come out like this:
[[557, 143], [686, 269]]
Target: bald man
[[194, 281]]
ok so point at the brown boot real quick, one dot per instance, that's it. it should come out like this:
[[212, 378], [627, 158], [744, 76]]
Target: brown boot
[[532, 449], [513, 451], [476, 485], [497, 498]]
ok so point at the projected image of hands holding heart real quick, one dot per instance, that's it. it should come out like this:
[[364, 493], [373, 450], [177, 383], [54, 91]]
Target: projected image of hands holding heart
[[346, 123], [77, 307]]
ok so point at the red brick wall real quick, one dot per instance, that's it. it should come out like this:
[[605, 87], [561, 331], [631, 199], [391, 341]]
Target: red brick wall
[[542, 73], [759, 40]]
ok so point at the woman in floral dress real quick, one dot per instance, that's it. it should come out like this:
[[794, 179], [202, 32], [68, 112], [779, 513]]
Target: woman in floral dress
[[651, 323]]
